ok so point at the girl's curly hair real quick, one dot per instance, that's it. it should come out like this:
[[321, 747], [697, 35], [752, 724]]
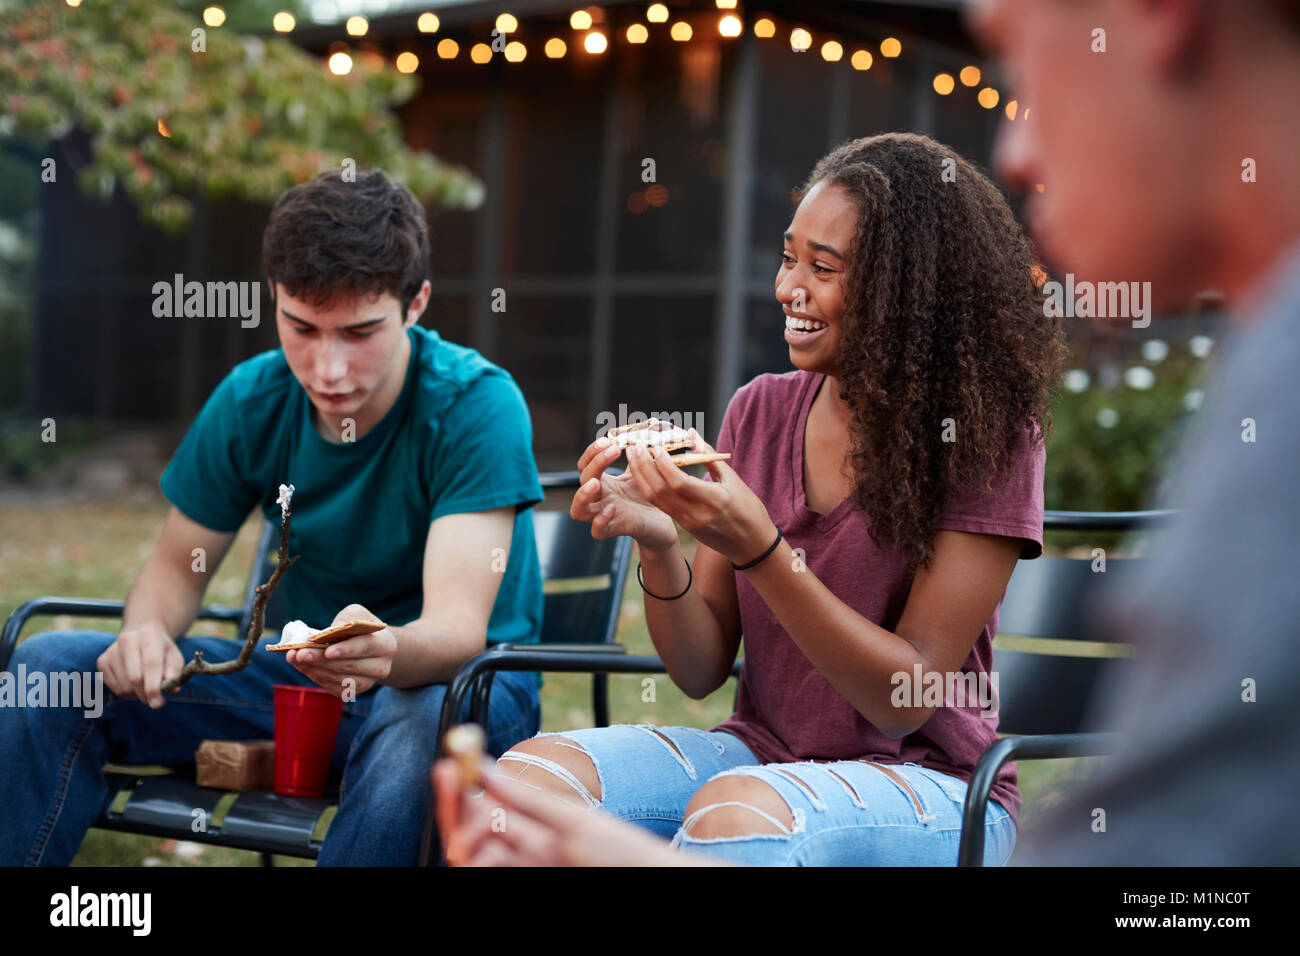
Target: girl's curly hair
[[942, 320]]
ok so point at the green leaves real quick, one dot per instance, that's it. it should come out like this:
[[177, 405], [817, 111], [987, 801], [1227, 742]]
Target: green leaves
[[248, 117]]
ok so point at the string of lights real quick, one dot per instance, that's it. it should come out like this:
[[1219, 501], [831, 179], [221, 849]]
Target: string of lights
[[593, 39]]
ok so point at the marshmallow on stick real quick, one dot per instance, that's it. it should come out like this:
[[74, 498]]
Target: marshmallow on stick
[[466, 744]]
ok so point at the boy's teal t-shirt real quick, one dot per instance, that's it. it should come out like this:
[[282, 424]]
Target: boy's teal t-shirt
[[458, 439]]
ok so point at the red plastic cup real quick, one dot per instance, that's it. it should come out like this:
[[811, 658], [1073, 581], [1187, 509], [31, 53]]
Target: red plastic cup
[[306, 726]]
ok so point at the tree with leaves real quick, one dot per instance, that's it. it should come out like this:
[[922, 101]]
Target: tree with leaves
[[172, 107]]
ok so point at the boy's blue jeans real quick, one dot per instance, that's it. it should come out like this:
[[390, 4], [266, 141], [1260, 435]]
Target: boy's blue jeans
[[52, 786]]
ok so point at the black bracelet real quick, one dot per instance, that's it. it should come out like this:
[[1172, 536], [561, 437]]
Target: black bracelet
[[689, 578], [746, 567]]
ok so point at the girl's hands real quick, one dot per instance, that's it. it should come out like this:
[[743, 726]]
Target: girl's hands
[[614, 504], [723, 514]]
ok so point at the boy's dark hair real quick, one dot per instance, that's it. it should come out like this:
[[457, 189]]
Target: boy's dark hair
[[327, 237]]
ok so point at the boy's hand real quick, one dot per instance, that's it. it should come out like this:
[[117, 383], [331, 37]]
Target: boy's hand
[[139, 661], [366, 658]]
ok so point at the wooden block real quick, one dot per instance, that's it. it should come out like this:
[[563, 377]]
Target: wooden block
[[235, 764]]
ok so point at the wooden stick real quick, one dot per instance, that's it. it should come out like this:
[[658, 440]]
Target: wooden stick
[[198, 665]]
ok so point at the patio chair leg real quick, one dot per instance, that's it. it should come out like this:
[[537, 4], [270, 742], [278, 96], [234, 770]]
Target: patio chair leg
[[267, 859], [600, 698]]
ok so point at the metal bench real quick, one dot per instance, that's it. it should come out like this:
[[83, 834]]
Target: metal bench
[[583, 586]]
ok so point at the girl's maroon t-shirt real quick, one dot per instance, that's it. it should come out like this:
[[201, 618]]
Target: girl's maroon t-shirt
[[787, 711]]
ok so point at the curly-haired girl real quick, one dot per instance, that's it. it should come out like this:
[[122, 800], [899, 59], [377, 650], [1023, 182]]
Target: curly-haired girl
[[881, 495]]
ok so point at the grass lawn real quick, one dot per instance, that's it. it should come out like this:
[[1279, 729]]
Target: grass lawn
[[95, 550]]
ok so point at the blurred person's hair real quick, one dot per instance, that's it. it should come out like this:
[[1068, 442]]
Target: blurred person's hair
[[327, 238], [942, 319]]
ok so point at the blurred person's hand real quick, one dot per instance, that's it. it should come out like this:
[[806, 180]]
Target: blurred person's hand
[[511, 824], [136, 664]]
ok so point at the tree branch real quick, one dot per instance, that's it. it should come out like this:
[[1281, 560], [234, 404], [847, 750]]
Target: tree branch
[[198, 665]]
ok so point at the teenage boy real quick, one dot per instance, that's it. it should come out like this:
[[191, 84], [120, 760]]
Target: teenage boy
[[412, 464]]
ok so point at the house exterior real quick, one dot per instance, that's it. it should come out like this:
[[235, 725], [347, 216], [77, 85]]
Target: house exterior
[[624, 256]]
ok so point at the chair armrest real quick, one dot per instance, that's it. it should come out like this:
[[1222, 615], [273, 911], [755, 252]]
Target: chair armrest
[[564, 648], [84, 607], [1035, 747]]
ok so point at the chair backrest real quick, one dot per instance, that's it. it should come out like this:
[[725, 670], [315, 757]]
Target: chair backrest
[[1048, 691], [582, 577]]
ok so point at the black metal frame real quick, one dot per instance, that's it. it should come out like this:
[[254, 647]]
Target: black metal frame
[[90, 607], [475, 676], [970, 851]]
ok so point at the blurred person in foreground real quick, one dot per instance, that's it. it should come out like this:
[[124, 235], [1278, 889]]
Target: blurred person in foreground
[[1142, 150]]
